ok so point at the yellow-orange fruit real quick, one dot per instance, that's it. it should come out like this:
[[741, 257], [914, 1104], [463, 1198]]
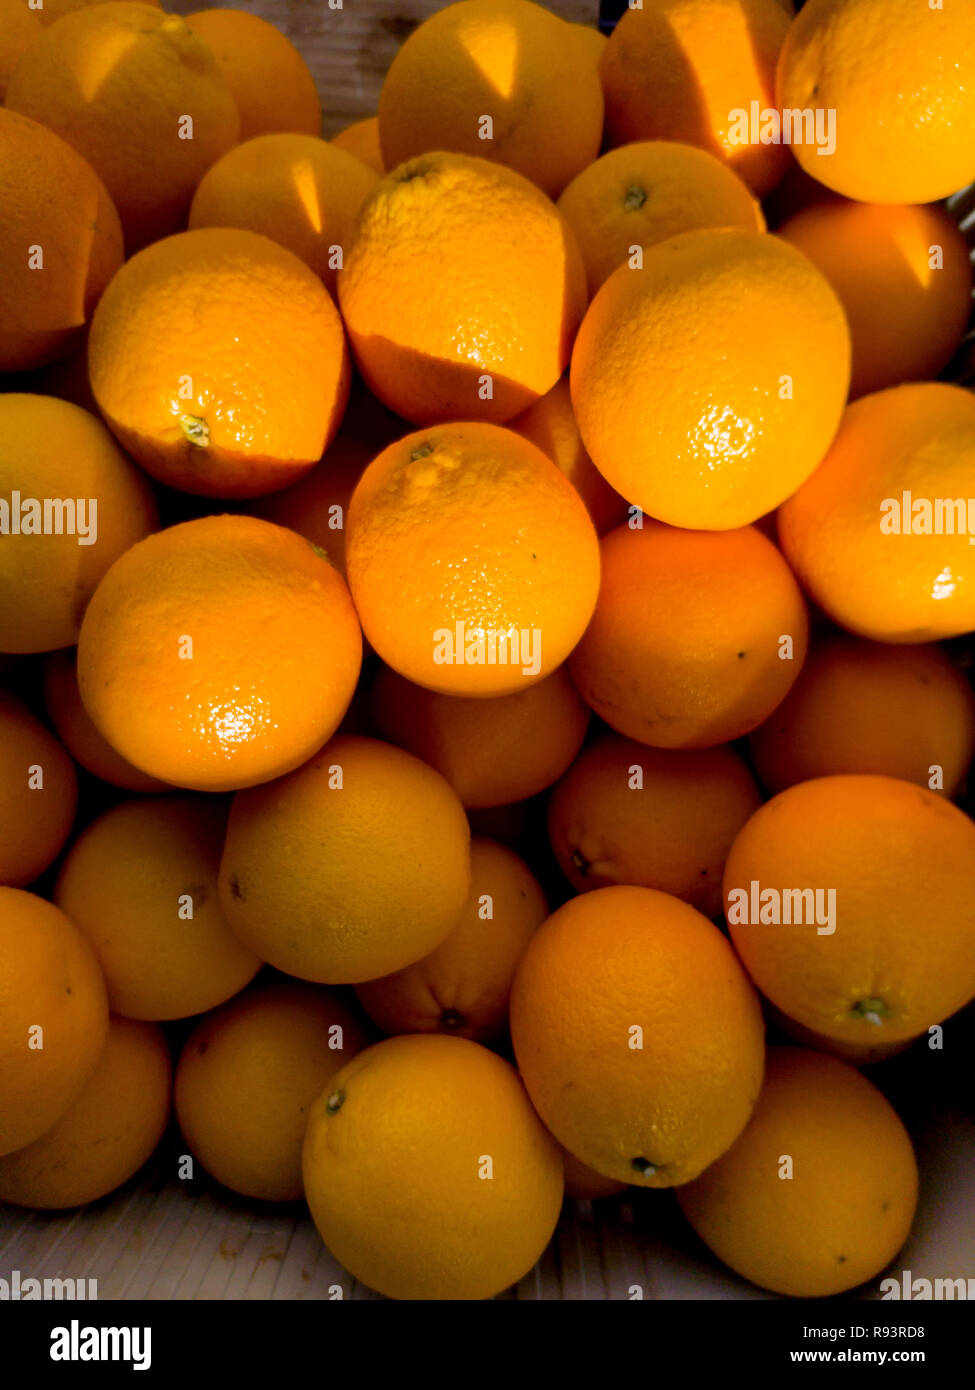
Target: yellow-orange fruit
[[271, 83], [38, 794]]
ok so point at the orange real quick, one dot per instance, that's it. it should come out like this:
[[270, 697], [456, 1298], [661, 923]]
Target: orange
[[551, 425], [200, 701], [462, 291], [472, 560], [38, 794], [354, 866], [873, 859], [141, 883], [361, 138], [897, 75], [637, 1034], [268, 77], [52, 10], [207, 388], [503, 79], [492, 752], [858, 1054], [300, 191], [141, 97], [53, 1016], [428, 1173], [880, 534], [655, 817], [585, 1184], [106, 1134], [593, 41], [819, 1192], [462, 987], [19, 28], [57, 254], [646, 192], [681, 69], [903, 277], [859, 706], [247, 1078], [696, 638], [709, 384], [75, 729], [71, 504]]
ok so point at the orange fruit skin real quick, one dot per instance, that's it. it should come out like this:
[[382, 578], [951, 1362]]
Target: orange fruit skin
[[317, 505], [906, 319], [894, 72], [361, 138], [431, 1110], [917, 439], [270, 81], [492, 752], [607, 962], [679, 370], [470, 524], [507, 59], [462, 276], [462, 987], [895, 855], [342, 881], [42, 313], [20, 28], [585, 1184], [116, 83], [53, 450], [677, 69], [36, 820], [257, 697], [645, 192], [685, 647], [300, 191], [551, 425], [247, 1078], [129, 881], [868, 707], [54, 10], [672, 833], [109, 1131], [49, 979], [233, 400], [848, 1205], [861, 1054]]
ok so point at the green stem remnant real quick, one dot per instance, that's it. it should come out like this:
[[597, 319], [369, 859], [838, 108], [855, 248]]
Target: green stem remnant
[[873, 1010], [334, 1103], [635, 198], [644, 1167], [196, 430]]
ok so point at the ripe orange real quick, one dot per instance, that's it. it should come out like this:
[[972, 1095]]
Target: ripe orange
[[38, 794], [57, 254], [19, 28], [895, 74], [76, 731], [361, 138], [141, 883], [681, 69], [106, 1134], [229, 400], [709, 384], [863, 533], [868, 707], [247, 1078], [428, 1173], [637, 1034], [205, 703], [696, 638], [492, 752], [300, 191], [52, 10], [472, 560], [354, 866], [268, 77], [838, 1211], [503, 79], [141, 97], [53, 1016], [583, 1183], [655, 817], [551, 425], [860, 966], [317, 505], [462, 291], [903, 277], [648, 191], [462, 987], [72, 504]]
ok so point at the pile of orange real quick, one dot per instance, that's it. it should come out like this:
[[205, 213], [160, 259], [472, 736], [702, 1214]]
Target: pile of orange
[[513, 558]]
